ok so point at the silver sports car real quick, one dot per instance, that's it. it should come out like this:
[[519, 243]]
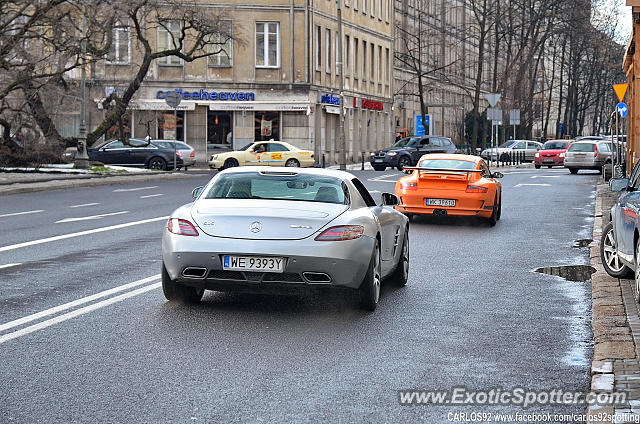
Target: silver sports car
[[260, 229]]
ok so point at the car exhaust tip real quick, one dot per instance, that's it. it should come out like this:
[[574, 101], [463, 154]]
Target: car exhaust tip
[[439, 211], [316, 277], [194, 272]]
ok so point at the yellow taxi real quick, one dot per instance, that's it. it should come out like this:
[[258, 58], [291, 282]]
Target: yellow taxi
[[264, 153]]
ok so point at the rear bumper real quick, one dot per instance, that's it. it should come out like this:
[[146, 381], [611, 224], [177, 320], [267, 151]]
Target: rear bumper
[[581, 164], [553, 161], [467, 204], [345, 262]]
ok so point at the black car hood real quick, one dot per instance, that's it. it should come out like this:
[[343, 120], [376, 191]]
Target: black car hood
[[396, 149]]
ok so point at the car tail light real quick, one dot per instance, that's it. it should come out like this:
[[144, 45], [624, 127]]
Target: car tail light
[[409, 186], [340, 233], [476, 189], [595, 149], [193, 154], [181, 227]]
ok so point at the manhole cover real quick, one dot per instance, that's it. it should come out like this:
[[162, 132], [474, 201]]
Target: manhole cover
[[569, 272], [582, 243]]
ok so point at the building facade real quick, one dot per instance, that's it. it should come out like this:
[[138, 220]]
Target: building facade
[[277, 80]]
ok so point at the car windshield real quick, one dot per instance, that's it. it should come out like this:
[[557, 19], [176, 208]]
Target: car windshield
[[413, 141], [551, 145], [402, 142], [246, 146], [279, 186], [447, 164], [507, 144], [582, 147]]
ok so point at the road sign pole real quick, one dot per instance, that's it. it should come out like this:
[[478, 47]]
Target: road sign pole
[[175, 141]]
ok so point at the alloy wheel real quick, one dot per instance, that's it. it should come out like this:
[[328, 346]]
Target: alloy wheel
[[376, 276], [611, 253]]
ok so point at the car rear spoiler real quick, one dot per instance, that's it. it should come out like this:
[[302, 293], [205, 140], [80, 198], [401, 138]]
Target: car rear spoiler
[[441, 170]]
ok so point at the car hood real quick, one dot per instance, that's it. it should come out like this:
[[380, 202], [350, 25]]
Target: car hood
[[276, 219], [224, 155]]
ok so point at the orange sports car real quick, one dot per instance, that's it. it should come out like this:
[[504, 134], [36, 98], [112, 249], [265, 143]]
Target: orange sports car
[[451, 184]]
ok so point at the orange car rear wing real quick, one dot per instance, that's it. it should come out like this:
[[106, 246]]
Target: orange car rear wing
[[442, 170]]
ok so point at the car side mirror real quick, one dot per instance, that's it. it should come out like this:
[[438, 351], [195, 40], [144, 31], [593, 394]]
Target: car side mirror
[[389, 199], [497, 175], [195, 193], [619, 184]]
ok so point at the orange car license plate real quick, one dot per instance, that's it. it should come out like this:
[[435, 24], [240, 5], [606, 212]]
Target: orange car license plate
[[441, 202]]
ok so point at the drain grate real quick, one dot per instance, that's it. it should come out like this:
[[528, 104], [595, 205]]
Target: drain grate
[[582, 243], [580, 273]]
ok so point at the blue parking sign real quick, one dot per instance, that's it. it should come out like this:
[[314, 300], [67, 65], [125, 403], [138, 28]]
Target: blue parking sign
[[420, 128]]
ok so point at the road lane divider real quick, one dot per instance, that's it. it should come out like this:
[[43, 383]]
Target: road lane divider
[[69, 315], [10, 265], [122, 190], [84, 205], [80, 233], [20, 213], [77, 302], [88, 218], [151, 195]]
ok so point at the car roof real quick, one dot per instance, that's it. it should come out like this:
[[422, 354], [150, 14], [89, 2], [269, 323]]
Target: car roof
[[290, 171]]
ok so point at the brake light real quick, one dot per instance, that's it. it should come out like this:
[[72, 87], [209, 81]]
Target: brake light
[[595, 149], [193, 154], [181, 227], [409, 186], [476, 189], [340, 233]]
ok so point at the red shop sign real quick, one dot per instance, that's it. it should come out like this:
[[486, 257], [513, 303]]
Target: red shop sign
[[367, 104]]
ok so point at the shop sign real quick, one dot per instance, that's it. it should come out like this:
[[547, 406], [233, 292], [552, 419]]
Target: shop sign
[[330, 99], [367, 104], [209, 95]]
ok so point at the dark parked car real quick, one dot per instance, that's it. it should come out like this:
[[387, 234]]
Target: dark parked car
[[136, 153], [407, 151], [620, 242]]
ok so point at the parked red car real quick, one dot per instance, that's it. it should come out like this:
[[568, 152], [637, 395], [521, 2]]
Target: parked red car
[[551, 154]]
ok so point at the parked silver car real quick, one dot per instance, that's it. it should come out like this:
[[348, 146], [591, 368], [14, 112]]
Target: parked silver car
[[186, 152], [502, 152], [587, 154], [260, 229]]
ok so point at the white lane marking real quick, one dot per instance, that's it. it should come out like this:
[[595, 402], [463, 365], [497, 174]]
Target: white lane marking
[[151, 195], [545, 176], [10, 265], [77, 312], [80, 233], [539, 185], [84, 205], [383, 178], [21, 213], [87, 218], [75, 303], [119, 190], [374, 191]]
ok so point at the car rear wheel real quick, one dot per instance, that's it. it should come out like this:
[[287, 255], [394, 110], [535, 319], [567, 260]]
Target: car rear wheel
[[609, 254], [293, 163], [499, 207], [230, 163], [637, 273], [157, 163], [537, 166], [174, 291], [403, 162], [493, 219], [549, 166], [573, 170], [370, 287], [379, 168], [401, 274]]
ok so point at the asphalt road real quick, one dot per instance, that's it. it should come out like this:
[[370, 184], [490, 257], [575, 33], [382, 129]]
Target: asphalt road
[[473, 314]]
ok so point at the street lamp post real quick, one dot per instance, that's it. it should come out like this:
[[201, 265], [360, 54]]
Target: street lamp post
[[341, 137], [82, 159]]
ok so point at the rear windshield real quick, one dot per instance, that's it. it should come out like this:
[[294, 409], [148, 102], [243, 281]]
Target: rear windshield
[[582, 147], [299, 187], [446, 164], [551, 145]]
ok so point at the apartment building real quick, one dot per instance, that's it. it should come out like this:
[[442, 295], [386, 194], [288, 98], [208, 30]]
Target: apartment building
[[277, 80]]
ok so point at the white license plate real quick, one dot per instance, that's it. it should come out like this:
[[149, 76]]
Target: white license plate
[[547, 160], [253, 263], [379, 160], [441, 202]]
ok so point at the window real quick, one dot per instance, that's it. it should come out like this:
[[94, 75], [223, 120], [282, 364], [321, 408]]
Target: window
[[221, 45], [169, 128], [386, 66], [355, 4], [372, 68], [379, 64], [327, 52], [116, 145], [267, 44], [338, 58], [267, 126], [120, 50], [379, 10], [373, 8], [386, 10], [364, 6], [318, 48], [276, 147], [364, 193], [533, 146], [364, 60], [521, 145], [168, 39], [347, 56], [356, 44]]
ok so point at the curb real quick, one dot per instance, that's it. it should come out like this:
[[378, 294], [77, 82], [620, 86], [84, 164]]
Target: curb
[[90, 181]]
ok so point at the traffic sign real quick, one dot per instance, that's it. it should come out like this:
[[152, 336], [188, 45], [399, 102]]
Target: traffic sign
[[621, 90], [493, 98], [514, 117], [173, 99], [494, 114], [622, 109]]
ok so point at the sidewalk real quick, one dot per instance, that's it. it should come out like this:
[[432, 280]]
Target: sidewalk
[[616, 325]]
